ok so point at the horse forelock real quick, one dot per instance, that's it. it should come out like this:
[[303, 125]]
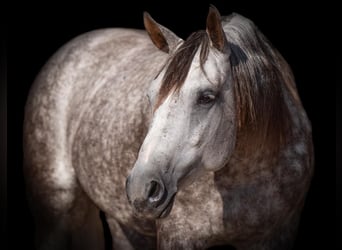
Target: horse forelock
[[178, 65], [260, 75]]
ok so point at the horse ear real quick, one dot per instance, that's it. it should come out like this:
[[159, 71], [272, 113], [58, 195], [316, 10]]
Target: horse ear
[[163, 38], [215, 30]]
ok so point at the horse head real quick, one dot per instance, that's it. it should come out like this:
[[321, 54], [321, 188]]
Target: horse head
[[193, 128]]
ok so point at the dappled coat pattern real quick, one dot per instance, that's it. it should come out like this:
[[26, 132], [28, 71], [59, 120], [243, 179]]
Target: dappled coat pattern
[[183, 144]]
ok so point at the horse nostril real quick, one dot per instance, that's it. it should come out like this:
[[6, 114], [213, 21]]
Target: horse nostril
[[155, 193]]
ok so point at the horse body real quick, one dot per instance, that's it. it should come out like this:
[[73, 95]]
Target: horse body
[[82, 89], [88, 121]]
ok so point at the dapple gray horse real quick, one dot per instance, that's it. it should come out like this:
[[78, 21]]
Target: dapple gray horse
[[183, 144]]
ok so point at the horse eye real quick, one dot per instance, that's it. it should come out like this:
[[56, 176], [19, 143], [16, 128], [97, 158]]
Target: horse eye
[[206, 98]]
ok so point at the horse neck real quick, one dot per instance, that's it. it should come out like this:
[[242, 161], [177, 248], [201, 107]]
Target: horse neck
[[249, 163], [258, 157], [256, 153]]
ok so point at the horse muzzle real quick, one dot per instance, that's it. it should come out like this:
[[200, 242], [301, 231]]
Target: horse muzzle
[[149, 196]]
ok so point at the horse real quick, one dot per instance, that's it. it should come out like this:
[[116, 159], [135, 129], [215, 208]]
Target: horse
[[181, 144]]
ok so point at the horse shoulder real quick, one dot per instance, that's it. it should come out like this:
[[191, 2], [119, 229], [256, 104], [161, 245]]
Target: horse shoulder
[[55, 102]]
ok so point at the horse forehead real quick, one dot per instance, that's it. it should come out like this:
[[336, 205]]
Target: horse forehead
[[213, 70]]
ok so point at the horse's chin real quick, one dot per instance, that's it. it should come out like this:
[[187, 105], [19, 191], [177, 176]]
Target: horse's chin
[[157, 213], [167, 210]]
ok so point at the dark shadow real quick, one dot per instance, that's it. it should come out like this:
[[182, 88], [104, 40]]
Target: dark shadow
[[224, 247], [237, 55], [106, 231]]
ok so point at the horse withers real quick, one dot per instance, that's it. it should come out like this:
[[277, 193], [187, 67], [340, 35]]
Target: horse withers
[[183, 144]]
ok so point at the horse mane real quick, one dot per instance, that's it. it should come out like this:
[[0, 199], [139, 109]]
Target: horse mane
[[260, 75]]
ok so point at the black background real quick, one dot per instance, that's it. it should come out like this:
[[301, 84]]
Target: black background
[[36, 32]]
